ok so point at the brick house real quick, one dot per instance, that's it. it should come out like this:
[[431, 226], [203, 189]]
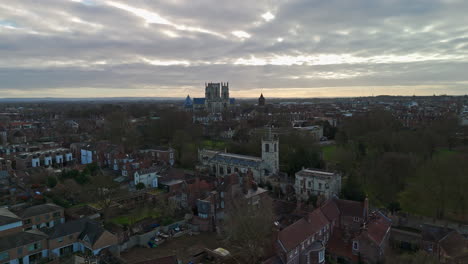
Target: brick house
[[345, 228], [52, 240], [40, 216], [214, 207]]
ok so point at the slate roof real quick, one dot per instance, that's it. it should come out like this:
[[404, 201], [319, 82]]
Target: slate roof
[[84, 226], [39, 210], [20, 239], [198, 101], [188, 101], [7, 217], [434, 233], [235, 159]]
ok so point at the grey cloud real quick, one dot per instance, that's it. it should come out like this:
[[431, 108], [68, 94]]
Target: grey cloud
[[308, 28]]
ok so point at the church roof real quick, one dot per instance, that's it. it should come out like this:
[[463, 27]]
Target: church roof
[[198, 101], [235, 159], [188, 101]]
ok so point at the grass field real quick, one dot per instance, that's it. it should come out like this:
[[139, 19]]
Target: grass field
[[329, 153]]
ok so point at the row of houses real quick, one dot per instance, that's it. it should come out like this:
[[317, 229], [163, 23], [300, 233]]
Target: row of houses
[[40, 233], [43, 158], [345, 230]]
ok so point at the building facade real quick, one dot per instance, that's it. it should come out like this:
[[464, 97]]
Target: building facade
[[312, 182], [216, 99]]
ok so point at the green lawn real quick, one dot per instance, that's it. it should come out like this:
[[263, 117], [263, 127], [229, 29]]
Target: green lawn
[[133, 218], [329, 153], [212, 144]]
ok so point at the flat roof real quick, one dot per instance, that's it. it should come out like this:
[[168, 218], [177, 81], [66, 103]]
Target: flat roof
[[312, 172]]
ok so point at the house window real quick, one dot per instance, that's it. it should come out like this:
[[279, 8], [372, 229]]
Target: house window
[[4, 255], [356, 219], [34, 246], [60, 239], [229, 170], [320, 186], [321, 256], [267, 147], [310, 184], [355, 245], [275, 147], [221, 170]]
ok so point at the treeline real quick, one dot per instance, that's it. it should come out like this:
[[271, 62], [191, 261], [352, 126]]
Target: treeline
[[422, 171]]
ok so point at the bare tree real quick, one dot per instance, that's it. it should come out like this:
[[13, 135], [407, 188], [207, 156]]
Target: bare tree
[[249, 229]]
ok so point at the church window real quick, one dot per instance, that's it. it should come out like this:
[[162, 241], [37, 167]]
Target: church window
[[267, 147]]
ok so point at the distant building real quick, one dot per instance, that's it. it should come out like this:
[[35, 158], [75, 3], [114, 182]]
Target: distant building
[[311, 182], [216, 99], [261, 100]]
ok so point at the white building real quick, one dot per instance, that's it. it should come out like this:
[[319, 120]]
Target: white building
[[149, 177], [316, 182], [87, 156]]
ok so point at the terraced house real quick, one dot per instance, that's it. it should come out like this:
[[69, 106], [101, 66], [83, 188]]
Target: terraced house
[[39, 233]]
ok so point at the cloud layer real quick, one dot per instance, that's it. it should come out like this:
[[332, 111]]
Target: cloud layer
[[94, 48]]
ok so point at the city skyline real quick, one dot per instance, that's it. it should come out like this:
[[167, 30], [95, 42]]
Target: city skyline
[[91, 48]]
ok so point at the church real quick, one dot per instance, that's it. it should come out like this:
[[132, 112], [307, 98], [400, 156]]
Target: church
[[216, 99], [221, 163]]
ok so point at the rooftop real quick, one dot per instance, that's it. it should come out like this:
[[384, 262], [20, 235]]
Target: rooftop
[[313, 172], [39, 210], [7, 217], [20, 239]]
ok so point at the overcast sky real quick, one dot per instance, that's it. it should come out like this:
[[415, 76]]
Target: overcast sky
[[303, 48]]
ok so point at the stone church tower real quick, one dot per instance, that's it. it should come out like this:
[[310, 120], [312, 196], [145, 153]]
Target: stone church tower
[[270, 153]]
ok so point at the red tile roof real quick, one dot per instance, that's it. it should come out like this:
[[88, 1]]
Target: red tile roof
[[350, 208], [378, 227], [295, 234], [330, 210], [338, 247]]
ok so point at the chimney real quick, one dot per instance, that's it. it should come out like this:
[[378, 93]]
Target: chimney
[[248, 181], [366, 209]]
